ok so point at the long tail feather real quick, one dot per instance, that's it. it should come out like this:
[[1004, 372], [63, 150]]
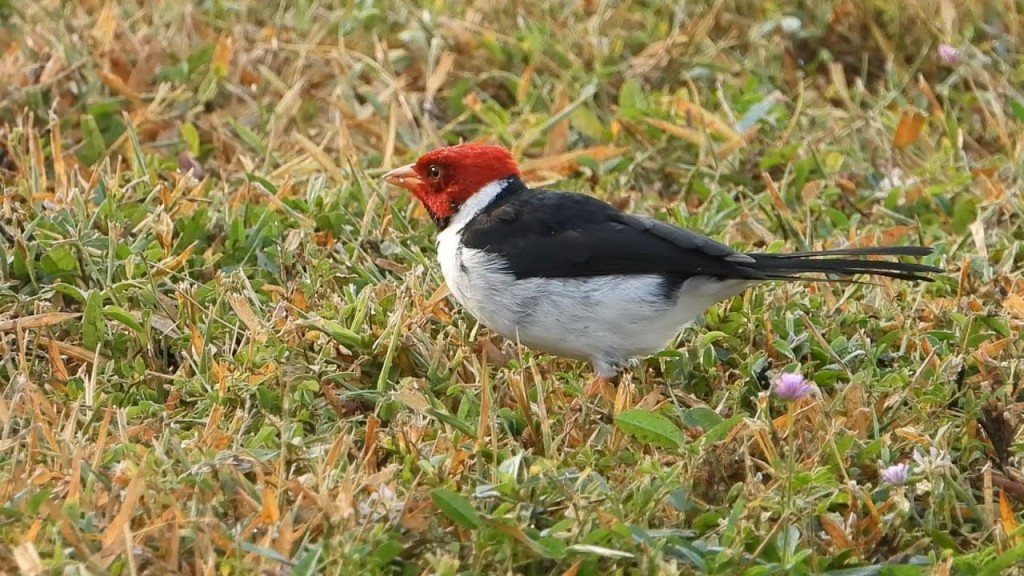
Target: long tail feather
[[790, 266]]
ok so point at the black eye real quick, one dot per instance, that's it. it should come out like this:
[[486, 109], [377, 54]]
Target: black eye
[[435, 172]]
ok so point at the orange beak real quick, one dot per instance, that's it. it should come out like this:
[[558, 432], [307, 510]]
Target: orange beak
[[404, 177]]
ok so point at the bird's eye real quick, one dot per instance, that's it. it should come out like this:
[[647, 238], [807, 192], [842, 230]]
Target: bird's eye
[[435, 172]]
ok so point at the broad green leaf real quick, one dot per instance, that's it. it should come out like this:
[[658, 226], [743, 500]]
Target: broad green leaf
[[452, 421], [308, 563], [248, 136], [552, 547], [650, 427], [1012, 557], [336, 331], [758, 111], [712, 337], [701, 417], [191, 137], [586, 121], [35, 501], [387, 552], [268, 553], [1017, 108], [93, 145], [631, 98], [125, 317], [267, 184], [943, 540], [92, 320], [720, 430], [59, 260], [456, 507]]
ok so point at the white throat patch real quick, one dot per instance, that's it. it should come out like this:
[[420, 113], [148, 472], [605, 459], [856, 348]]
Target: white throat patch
[[476, 204]]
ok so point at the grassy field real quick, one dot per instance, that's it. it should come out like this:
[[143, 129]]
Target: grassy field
[[226, 347]]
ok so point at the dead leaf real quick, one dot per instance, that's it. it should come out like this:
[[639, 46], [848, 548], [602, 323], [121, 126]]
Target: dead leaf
[[564, 164], [836, 533], [169, 265], [689, 134], [369, 455], [524, 82], [978, 234], [248, 78], [106, 26], [53, 69], [1014, 305], [57, 367], [908, 129], [37, 320], [440, 73], [222, 55], [992, 350], [113, 537], [913, 436], [270, 514], [28, 560], [240, 304], [140, 79], [72, 351], [417, 516], [574, 569], [319, 156], [558, 136], [119, 87], [1007, 517], [702, 119], [409, 395], [933, 102]]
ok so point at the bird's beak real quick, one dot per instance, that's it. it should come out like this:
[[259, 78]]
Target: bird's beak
[[404, 177]]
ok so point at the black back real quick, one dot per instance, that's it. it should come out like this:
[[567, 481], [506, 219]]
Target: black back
[[549, 234]]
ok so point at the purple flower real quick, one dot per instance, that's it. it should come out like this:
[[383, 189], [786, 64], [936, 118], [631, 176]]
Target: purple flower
[[791, 387], [949, 55], [896, 474]]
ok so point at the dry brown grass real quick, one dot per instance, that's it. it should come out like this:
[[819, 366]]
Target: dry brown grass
[[226, 347]]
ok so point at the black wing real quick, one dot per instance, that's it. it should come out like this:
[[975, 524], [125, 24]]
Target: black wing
[[543, 233], [549, 234]]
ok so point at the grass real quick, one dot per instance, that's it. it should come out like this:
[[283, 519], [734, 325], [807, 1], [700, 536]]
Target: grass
[[226, 346]]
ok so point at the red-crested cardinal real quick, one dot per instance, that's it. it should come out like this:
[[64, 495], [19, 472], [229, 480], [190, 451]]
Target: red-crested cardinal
[[568, 274]]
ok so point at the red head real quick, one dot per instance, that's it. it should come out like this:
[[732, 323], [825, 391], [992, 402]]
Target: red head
[[445, 178]]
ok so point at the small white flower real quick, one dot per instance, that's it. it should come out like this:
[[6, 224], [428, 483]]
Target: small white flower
[[383, 502], [935, 462], [901, 502], [922, 487]]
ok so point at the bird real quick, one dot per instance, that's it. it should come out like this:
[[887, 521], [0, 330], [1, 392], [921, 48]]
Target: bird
[[568, 274]]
